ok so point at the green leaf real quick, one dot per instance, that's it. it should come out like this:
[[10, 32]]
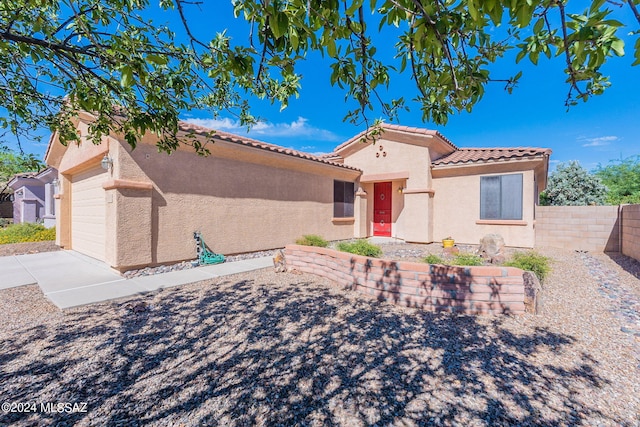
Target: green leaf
[[496, 15], [157, 59], [473, 11], [618, 47], [126, 78], [331, 47], [354, 6], [538, 26], [293, 38], [279, 24], [596, 5], [524, 15]]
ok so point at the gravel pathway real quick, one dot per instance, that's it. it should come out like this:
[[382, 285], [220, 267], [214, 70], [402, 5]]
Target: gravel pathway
[[262, 348], [624, 295]]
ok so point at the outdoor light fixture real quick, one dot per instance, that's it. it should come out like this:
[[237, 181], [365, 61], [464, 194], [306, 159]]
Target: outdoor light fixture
[[56, 185], [106, 162], [400, 189]]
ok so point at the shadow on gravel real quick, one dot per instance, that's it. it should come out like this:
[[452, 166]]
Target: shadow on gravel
[[248, 354], [628, 264]]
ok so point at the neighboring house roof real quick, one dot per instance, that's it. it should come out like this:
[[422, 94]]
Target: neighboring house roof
[[25, 175], [392, 127], [44, 176], [229, 137], [484, 155]]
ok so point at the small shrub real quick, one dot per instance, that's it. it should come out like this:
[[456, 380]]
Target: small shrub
[[26, 232], [467, 259], [360, 247], [5, 222], [531, 261], [433, 259], [312, 240]]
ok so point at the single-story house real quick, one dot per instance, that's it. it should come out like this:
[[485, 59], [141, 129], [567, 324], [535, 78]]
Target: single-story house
[[133, 208], [33, 197]]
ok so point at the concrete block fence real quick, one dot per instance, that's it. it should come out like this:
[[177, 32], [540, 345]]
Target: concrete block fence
[[590, 228], [631, 231], [438, 288], [587, 228]]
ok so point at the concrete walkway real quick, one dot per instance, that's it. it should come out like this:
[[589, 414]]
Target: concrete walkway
[[70, 279]]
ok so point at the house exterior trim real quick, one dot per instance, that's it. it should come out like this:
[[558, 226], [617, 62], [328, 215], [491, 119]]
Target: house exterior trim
[[429, 191], [500, 222], [392, 176], [124, 183]]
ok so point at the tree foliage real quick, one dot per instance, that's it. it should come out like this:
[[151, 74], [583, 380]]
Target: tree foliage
[[12, 162], [108, 57], [622, 179], [572, 185]]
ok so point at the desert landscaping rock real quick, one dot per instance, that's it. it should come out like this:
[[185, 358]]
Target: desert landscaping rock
[[262, 348], [28, 248], [620, 288], [148, 271]]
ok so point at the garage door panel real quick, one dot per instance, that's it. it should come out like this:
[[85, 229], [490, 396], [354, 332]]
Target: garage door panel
[[88, 212]]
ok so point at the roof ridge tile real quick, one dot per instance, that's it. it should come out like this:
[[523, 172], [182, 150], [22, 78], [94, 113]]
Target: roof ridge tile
[[230, 137]]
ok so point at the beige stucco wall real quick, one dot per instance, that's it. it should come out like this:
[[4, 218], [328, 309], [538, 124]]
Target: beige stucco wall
[[236, 201], [241, 199], [395, 161], [457, 208]]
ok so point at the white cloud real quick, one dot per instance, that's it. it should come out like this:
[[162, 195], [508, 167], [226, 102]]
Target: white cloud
[[598, 142], [295, 129]]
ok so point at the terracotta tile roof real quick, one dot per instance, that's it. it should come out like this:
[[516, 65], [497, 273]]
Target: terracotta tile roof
[[408, 129], [479, 155], [229, 137], [25, 175]]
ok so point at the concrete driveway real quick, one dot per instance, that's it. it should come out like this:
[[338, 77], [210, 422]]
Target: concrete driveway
[[70, 279]]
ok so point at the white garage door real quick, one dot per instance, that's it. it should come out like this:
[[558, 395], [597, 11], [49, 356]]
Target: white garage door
[[88, 212]]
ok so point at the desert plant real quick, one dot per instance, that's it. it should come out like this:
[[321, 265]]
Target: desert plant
[[433, 259], [26, 232], [312, 240], [467, 259], [360, 247], [531, 261], [572, 185]]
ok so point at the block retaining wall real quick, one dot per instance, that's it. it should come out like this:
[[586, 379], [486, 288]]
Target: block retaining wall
[[438, 288]]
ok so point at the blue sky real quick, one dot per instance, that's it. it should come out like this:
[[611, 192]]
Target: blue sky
[[606, 127]]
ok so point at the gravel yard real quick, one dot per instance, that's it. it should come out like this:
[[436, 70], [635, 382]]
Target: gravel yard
[[28, 248], [262, 348]]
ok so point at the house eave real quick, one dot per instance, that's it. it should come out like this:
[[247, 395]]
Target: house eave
[[479, 163]]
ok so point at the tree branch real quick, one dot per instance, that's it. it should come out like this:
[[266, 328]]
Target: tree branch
[[633, 7], [19, 38], [567, 54]]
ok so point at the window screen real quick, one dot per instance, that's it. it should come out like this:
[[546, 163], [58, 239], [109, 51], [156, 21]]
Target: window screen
[[501, 197], [343, 197]]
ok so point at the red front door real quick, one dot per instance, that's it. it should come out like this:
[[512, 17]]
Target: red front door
[[382, 209]]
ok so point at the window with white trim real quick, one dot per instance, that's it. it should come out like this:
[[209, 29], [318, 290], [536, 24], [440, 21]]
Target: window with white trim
[[501, 197]]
